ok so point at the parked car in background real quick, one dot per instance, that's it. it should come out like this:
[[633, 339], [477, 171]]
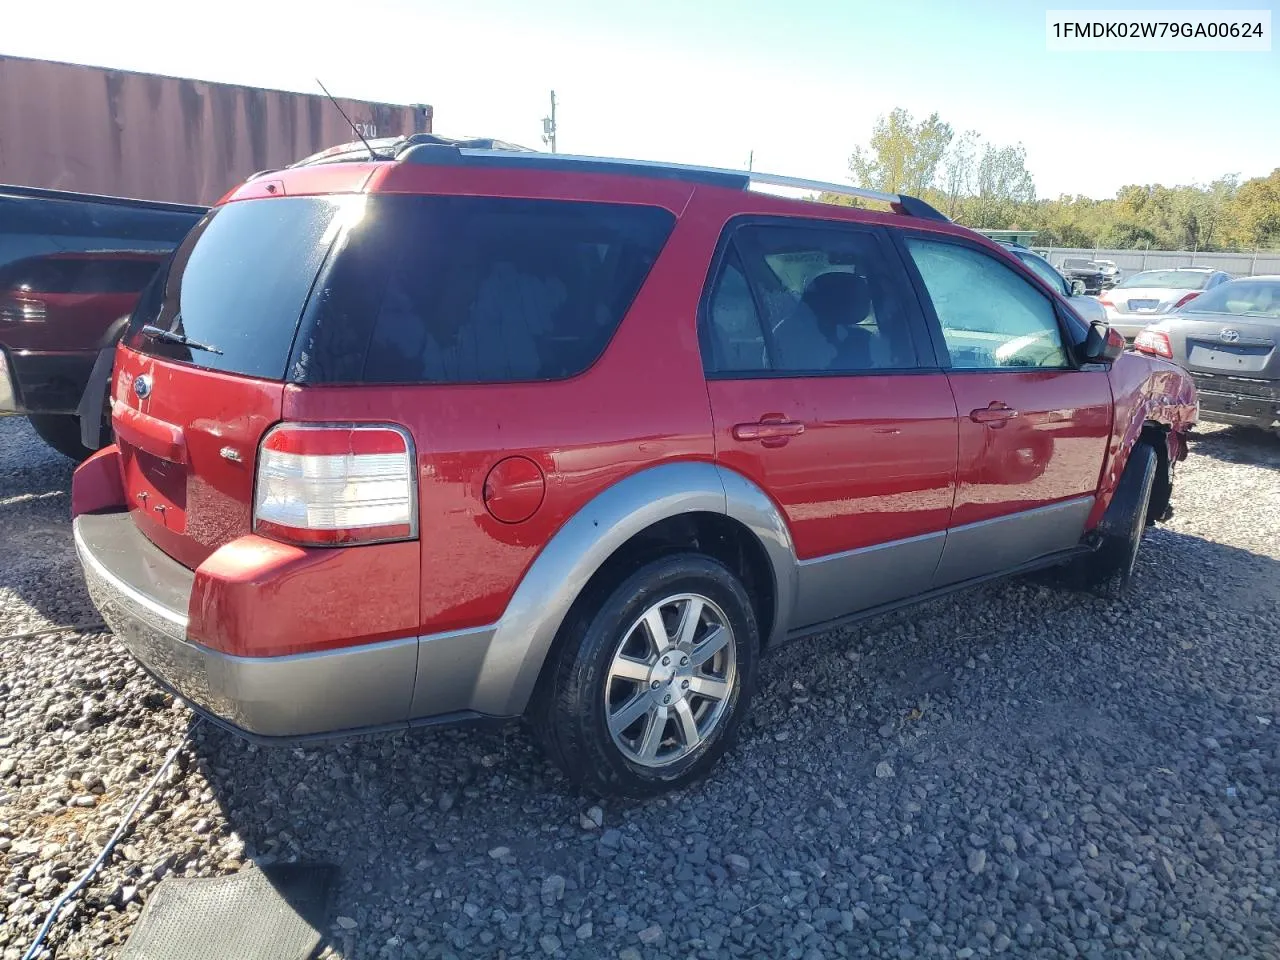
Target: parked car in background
[[1139, 300], [1229, 340], [1088, 307], [1086, 271], [462, 432], [1110, 273], [71, 268]]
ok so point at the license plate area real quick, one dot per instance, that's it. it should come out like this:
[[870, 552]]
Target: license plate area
[[1228, 358]]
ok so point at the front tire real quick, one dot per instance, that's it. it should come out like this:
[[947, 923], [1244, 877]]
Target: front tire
[[1110, 568], [646, 688]]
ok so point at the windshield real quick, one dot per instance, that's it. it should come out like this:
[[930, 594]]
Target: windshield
[[1245, 298], [1167, 279]]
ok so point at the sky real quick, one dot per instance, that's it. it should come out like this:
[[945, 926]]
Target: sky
[[796, 85]]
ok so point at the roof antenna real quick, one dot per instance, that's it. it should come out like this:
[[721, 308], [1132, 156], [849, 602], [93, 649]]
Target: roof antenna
[[354, 128]]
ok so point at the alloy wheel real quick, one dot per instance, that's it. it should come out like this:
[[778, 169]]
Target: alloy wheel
[[670, 680]]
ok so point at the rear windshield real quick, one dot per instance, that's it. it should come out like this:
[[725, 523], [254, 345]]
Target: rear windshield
[[1245, 298], [476, 289], [237, 285], [1166, 279], [402, 289]]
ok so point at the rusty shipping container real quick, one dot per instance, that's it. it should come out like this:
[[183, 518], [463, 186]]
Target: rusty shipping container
[[70, 127]]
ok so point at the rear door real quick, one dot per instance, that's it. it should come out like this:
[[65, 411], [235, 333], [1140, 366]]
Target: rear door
[[188, 418], [824, 393], [1033, 425]]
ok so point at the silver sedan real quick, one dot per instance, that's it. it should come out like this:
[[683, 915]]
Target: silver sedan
[[1143, 298]]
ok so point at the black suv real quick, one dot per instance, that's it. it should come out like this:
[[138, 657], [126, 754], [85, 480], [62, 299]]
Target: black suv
[[1086, 271]]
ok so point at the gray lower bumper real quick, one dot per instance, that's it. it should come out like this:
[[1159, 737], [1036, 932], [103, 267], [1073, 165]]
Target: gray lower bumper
[[1239, 408], [144, 595]]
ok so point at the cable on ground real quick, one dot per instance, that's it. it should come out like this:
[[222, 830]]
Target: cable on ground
[[34, 950]]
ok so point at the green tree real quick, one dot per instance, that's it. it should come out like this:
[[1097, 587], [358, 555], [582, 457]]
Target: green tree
[[1002, 186], [1254, 214], [959, 170], [902, 155], [1199, 212], [988, 186]]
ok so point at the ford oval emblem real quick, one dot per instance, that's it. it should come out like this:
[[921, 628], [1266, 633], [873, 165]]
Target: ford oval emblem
[[142, 386], [1229, 336]]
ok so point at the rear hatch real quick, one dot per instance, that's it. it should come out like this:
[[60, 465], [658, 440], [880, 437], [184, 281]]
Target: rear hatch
[[189, 416]]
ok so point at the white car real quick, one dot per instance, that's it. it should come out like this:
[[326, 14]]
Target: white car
[[1141, 299]]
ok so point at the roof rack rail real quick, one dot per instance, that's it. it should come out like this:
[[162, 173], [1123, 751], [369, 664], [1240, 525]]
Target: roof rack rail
[[436, 150], [390, 148], [900, 202], [738, 179]]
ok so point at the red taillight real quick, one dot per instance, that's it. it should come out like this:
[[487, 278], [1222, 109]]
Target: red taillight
[[1187, 299], [1154, 342], [1106, 301], [336, 485]]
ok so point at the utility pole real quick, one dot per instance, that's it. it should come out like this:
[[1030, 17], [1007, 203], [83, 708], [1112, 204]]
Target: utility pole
[[751, 161], [549, 125]]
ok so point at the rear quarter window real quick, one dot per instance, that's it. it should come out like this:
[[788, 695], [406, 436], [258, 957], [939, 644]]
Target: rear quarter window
[[476, 290]]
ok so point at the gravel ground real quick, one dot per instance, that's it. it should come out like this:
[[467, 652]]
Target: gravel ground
[[1018, 770]]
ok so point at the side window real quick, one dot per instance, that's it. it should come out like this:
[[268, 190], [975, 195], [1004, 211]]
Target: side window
[[734, 337], [478, 289], [824, 302], [991, 318]]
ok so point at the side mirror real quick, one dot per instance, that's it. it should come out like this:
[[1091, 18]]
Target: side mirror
[[1077, 288], [1103, 344]]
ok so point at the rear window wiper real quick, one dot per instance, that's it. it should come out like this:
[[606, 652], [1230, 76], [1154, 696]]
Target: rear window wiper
[[168, 336]]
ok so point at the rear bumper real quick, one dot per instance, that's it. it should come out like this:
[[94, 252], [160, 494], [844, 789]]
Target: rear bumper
[[144, 596], [1225, 407]]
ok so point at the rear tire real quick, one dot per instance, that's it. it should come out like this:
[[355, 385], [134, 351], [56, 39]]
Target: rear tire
[[1110, 569], [62, 432], [647, 685]]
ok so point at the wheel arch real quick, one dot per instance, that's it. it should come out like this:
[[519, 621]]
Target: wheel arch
[[1158, 408], [658, 510]]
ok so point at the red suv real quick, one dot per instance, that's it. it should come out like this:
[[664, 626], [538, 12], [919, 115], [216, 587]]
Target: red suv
[[71, 268], [454, 432]]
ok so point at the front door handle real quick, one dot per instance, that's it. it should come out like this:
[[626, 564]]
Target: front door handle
[[995, 412], [772, 430]]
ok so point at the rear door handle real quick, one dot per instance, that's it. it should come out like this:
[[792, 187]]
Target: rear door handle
[[772, 430], [994, 412]]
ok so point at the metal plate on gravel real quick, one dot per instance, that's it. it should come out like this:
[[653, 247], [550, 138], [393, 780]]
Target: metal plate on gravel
[[276, 913]]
